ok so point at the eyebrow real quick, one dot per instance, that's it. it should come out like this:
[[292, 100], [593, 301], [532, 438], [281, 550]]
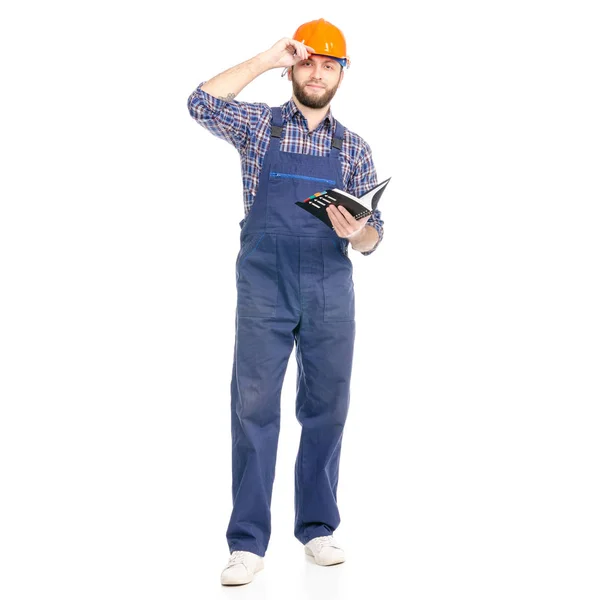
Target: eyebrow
[[327, 60]]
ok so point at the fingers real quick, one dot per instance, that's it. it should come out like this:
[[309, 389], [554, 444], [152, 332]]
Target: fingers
[[300, 50], [350, 220], [339, 222], [345, 225]]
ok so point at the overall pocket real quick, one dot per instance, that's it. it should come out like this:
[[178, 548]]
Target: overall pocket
[[257, 277], [338, 285], [343, 251]]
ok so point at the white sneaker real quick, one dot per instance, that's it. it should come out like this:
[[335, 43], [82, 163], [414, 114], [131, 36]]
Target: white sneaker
[[241, 568], [325, 551]]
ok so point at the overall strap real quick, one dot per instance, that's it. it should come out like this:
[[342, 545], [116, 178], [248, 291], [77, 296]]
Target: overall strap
[[338, 139], [276, 127]]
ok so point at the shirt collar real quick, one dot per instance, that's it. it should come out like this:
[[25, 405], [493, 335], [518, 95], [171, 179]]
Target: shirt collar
[[289, 110]]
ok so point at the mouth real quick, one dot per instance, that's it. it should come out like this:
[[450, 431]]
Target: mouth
[[316, 87]]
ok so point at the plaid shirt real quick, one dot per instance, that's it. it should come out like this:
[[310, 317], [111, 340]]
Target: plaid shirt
[[247, 126]]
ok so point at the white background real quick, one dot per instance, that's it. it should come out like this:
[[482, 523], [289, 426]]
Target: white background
[[471, 454]]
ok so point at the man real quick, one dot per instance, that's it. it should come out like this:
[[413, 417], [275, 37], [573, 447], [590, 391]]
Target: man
[[294, 284]]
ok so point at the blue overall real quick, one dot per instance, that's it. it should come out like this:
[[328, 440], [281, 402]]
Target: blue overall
[[294, 284]]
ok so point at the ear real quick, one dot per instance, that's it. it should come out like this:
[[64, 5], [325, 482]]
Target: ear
[[289, 74]]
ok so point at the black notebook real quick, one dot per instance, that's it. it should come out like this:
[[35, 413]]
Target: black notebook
[[317, 203]]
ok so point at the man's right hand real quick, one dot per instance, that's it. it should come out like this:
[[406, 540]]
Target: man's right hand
[[286, 53]]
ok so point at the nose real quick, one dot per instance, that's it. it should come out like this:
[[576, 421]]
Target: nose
[[317, 71]]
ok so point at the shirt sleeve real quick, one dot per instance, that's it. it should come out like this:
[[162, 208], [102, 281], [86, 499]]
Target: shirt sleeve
[[229, 120], [363, 178]]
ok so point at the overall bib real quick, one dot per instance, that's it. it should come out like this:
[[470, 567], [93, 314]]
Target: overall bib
[[294, 285]]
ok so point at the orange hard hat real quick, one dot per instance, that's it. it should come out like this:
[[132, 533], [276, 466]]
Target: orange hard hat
[[325, 38]]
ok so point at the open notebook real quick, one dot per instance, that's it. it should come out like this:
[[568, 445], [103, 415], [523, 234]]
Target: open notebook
[[318, 203]]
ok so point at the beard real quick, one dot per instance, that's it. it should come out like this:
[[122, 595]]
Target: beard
[[311, 99]]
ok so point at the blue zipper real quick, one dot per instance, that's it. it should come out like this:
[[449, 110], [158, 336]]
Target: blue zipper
[[306, 177]]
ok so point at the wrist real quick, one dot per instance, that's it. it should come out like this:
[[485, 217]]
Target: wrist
[[264, 62], [365, 240], [359, 237]]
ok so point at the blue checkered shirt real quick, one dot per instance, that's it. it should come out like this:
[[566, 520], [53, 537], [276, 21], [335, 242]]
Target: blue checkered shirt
[[247, 126]]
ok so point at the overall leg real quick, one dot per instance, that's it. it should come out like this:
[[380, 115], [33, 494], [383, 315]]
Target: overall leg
[[324, 354], [262, 351]]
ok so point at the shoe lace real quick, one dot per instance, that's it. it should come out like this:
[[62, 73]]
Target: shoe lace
[[237, 557], [324, 540]]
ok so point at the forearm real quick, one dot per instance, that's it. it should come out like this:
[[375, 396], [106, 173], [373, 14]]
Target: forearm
[[365, 240], [230, 83]]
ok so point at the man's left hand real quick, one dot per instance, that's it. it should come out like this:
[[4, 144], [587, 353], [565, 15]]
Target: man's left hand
[[344, 224]]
